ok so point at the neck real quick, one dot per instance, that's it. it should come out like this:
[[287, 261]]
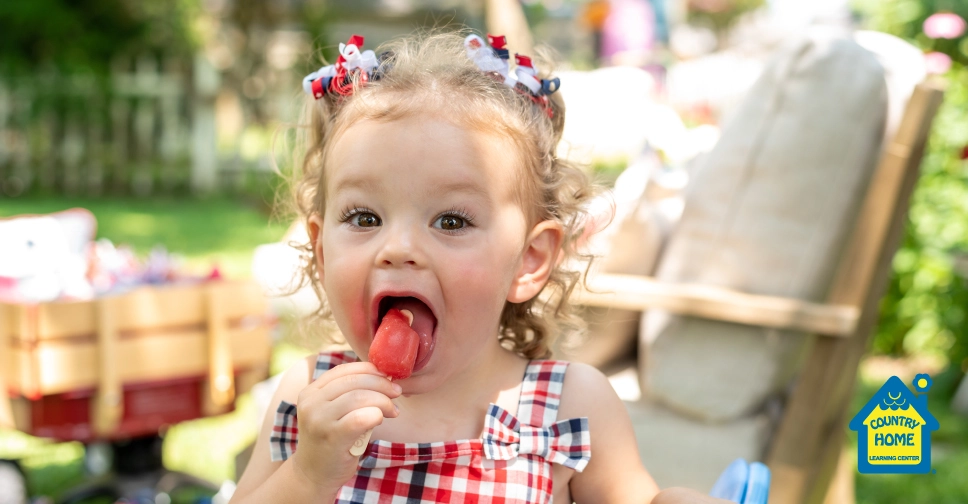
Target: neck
[[456, 409], [494, 370]]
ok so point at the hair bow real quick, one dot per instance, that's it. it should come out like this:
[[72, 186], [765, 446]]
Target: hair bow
[[493, 58], [336, 78]]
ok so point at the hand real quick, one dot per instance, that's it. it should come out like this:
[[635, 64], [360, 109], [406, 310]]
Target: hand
[[333, 412]]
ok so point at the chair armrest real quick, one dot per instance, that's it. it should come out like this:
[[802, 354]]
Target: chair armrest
[[632, 292]]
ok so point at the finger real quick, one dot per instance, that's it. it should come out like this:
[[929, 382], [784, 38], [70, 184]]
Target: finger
[[346, 369], [359, 381], [358, 421], [357, 399]]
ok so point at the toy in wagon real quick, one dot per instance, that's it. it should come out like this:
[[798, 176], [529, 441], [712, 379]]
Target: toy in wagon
[[99, 346]]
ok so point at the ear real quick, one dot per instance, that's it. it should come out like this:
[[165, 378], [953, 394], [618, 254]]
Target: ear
[[541, 254], [314, 227]]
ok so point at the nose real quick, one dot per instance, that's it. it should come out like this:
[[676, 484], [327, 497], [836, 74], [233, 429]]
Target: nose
[[400, 247]]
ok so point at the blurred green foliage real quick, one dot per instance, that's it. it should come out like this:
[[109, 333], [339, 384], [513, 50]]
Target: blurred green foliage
[[905, 18], [84, 35], [924, 309], [606, 171]]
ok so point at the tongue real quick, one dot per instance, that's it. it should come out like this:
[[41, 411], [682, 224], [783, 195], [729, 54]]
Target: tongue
[[423, 323]]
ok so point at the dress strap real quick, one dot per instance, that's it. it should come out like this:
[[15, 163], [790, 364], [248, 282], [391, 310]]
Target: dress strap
[[541, 392], [328, 360]]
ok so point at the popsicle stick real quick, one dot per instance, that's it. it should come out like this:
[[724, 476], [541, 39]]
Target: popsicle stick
[[360, 445]]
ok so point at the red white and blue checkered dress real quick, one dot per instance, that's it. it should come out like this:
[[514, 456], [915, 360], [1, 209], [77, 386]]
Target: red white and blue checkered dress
[[509, 464]]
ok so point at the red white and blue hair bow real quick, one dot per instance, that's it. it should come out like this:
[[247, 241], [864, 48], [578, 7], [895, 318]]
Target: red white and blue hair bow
[[493, 58], [337, 78]]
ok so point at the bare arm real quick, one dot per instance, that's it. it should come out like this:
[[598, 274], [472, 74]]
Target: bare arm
[[615, 473]]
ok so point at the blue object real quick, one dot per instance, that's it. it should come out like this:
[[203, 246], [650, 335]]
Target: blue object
[[758, 485], [550, 86], [731, 484], [743, 483]]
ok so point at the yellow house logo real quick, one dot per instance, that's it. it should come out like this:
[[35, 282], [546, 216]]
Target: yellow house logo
[[894, 429]]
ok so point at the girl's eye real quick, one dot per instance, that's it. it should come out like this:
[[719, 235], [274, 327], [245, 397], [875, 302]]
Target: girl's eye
[[451, 222], [367, 219], [360, 217]]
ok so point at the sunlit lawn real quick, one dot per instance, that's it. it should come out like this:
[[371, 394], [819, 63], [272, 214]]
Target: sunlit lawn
[[207, 232]]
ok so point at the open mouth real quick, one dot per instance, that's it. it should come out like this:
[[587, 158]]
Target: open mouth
[[424, 324]]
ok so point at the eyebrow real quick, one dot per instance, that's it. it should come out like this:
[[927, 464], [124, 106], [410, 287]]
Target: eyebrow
[[366, 184], [463, 187], [355, 183]]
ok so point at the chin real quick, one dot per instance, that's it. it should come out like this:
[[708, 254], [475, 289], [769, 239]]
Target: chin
[[421, 383]]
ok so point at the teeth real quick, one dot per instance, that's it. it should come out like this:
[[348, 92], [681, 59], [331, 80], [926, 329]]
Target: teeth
[[406, 313]]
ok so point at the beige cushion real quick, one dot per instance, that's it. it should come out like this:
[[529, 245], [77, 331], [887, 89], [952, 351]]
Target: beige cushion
[[768, 212], [692, 454]]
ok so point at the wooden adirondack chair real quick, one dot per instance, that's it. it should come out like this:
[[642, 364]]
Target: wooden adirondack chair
[[806, 446]]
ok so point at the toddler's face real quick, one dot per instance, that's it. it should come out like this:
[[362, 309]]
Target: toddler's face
[[421, 208]]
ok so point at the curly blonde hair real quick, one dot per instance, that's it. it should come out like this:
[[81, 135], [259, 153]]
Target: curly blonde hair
[[432, 71]]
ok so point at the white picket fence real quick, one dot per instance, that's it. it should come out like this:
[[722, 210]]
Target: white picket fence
[[148, 129]]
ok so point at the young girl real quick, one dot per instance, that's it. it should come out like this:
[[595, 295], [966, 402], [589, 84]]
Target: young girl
[[431, 184]]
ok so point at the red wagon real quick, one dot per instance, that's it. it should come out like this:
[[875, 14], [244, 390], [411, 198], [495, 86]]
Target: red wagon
[[125, 366]]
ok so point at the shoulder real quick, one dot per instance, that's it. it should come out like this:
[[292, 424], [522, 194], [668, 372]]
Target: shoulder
[[294, 379], [614, 472], [580, 373], [585, 390]]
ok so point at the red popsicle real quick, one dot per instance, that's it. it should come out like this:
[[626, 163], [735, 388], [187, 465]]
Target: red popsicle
[[394, 347], [393, 352]]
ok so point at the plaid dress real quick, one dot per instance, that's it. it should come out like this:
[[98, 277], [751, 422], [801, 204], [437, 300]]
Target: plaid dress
[[509, 464]]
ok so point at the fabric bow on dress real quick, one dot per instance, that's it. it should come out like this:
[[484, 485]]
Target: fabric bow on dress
[[566, 442]]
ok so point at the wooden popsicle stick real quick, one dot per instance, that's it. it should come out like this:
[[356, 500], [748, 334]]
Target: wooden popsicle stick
[[360, 445]]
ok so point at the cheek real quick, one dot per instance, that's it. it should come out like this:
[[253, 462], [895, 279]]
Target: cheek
[[481, 281], [485, 279], [344, 280]]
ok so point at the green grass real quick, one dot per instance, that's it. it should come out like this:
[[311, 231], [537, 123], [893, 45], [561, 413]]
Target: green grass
[[206, 232]]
